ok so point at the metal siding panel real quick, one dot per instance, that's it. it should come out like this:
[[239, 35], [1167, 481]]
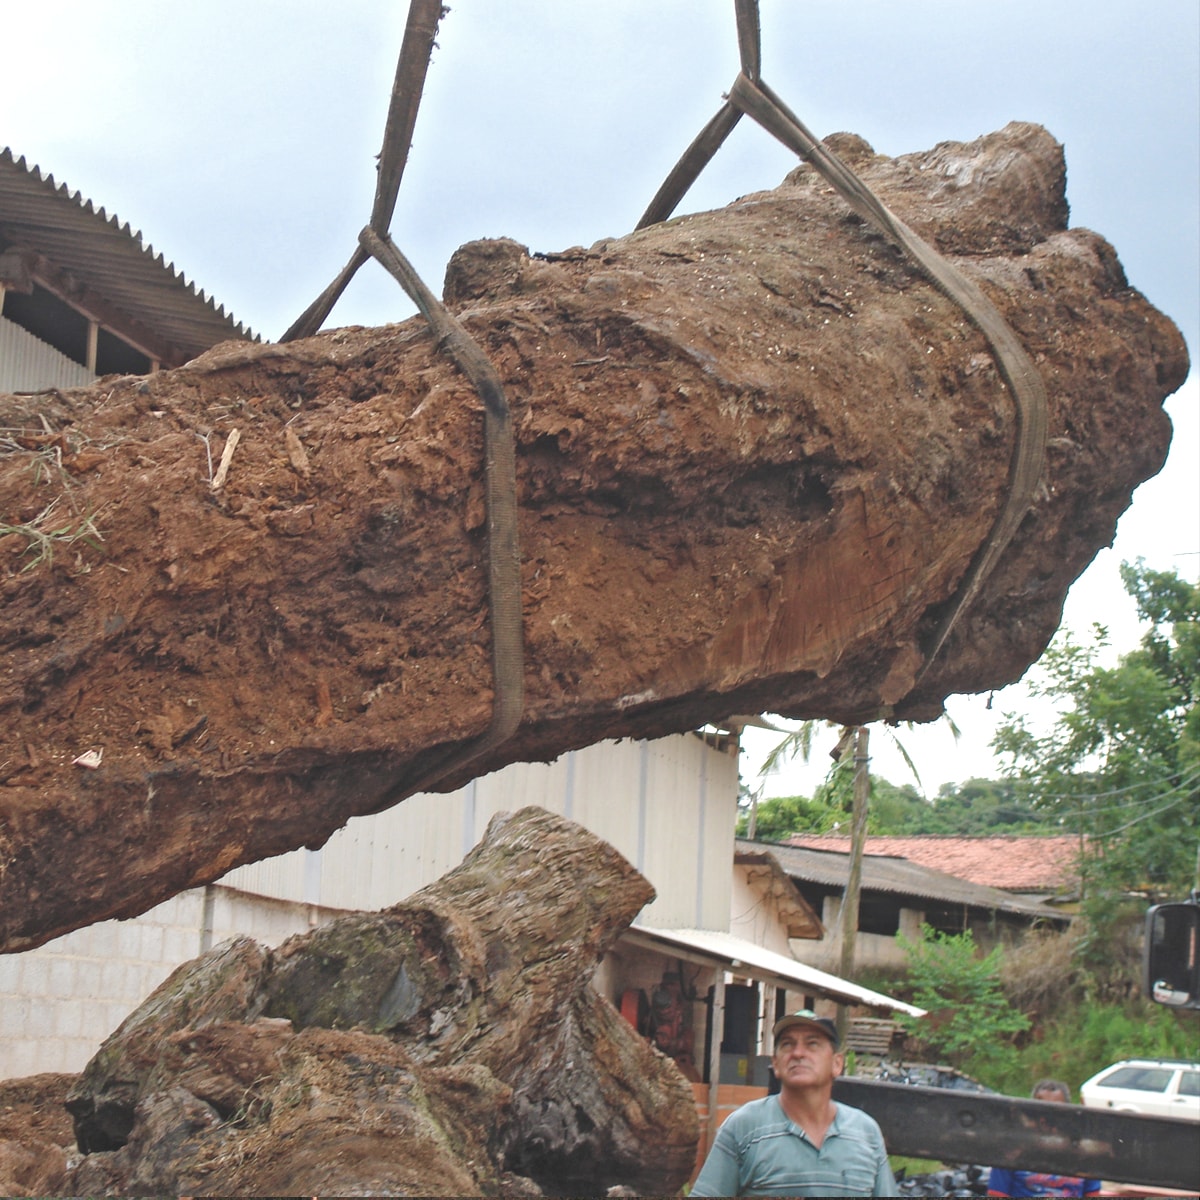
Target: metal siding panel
[[690, 843], [378, 860], [672, 844], [281, 877], [27, 364], [408, 847], [720, 819], [544, 785], [606, 790]]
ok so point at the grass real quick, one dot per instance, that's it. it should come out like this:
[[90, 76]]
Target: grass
[[44, 536], [914, 1166]]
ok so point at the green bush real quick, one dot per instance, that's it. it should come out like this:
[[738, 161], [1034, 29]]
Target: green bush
[[1087, 1037], [970, 1023]]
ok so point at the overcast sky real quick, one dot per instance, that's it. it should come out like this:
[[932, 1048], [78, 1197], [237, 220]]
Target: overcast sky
[[240, 139]]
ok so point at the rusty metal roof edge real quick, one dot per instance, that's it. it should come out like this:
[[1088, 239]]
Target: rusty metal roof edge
[[924, 882], [793, 897], [77, 198]]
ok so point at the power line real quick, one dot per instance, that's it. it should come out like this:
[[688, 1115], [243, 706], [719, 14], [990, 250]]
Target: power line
[[1144, 816], [1145, 801], [1132, 787], [1183, 787]]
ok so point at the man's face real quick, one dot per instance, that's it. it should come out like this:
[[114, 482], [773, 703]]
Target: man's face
[[805, 1058]]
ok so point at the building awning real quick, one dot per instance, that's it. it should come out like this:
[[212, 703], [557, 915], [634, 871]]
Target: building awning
[[755, 962]]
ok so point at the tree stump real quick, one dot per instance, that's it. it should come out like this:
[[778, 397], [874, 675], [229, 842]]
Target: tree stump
[[450, 1045]]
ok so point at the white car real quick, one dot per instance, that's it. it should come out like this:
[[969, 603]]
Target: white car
[[1159, 1087]]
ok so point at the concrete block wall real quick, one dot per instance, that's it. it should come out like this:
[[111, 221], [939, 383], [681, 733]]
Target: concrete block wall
[[60, 1001]]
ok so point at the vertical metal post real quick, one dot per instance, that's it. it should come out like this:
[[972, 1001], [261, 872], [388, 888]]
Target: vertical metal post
[[717, 1029]]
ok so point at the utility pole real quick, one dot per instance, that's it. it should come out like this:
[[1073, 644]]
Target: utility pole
[[858, 837]]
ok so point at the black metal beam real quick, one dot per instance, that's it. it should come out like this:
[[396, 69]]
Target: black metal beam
[[1000, 1131]]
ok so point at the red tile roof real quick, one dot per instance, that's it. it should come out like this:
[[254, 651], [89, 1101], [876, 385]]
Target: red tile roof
[[1014, 863]]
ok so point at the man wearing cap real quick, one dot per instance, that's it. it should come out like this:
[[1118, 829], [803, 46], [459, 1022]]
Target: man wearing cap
[[799, 1142]]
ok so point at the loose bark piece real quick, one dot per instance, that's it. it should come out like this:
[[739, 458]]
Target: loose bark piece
[[451, 1045], [222, 472], [757, 455]]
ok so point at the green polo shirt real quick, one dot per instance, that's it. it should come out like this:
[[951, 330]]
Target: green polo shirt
[[759, 1152]]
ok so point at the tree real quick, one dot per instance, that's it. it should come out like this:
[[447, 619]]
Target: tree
[[975, 808], [1120, 765], [781, 816]]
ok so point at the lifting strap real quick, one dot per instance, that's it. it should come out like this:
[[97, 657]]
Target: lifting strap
[[750, 95], [500, 479]]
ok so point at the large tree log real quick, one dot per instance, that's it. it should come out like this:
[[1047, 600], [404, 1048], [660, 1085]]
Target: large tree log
[[451, 1045], [757, 453]]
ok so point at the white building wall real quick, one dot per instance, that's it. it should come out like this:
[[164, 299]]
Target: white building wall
[[871, 950], [668, 806], [755, 917], [27, 364]]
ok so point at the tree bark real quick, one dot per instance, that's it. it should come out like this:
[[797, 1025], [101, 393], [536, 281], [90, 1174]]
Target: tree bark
[[451, 1045], [756, 456]]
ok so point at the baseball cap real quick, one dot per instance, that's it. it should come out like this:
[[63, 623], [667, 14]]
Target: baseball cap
[[806, 1016]]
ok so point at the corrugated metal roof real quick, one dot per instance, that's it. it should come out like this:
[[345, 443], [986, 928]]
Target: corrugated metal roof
[[900, 877], [110, 259], [756, 962]]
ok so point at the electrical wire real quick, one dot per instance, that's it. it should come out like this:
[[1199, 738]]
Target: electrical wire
[[1132, 787], [1119, 791], [1143, 817]]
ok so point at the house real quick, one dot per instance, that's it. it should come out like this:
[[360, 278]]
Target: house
[[81, 296], [899, 896], [1032, 866], [704, 988]]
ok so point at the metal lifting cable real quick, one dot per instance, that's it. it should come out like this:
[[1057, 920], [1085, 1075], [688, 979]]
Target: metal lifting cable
[[500, 478], [710, 139], [413, 65], [750, 95]]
